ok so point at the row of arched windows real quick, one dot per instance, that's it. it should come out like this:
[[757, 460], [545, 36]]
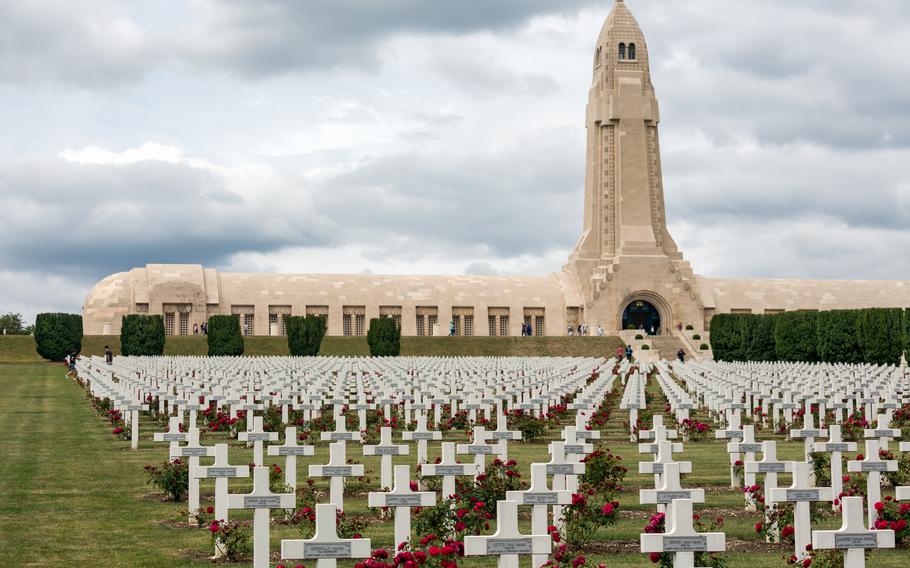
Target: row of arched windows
[[627, 53]]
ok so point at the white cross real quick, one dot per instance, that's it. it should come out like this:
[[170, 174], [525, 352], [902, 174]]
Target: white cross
[[386, 448], [872, 466], [681, 538], [670, 491], [421, 435], [479, 447], [802, 493], [325, 547], [574, 450], [448, 469], [507, 542], [257, 436], [733, 432], [173, 435], [836, 446], [560, 469], [291, 449], [664, 456], [503, 434], [748, 447], [883, 431], [336, 470], [193, 450], [583, 433], [220, 471], [403, 499], [541, 498], [133, 408], [852, 537], [261, 500], [340, 434], [770, 467]]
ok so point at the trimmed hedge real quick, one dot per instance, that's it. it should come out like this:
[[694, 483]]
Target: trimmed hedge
[[142, 335], [305, 334], [224, 336], [879, 335], [874, 336], [58, 335], [384, 338]]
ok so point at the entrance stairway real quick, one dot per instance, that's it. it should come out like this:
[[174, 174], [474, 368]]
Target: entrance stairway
[[668, 346]]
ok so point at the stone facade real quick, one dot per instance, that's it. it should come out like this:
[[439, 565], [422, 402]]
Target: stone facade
[[624, 256]]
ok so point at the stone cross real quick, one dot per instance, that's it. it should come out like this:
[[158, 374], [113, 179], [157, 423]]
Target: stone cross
[[583, 433], [507, 543], [883, 431], [261, 500], [336, 470], [479, 447], [574, 449], [173, 435], [872, 466], [257, 436], [133, 408], [541, 498], [835, 446], [291, 450], [220, 471], [340, 434], [663, 457], [808, 433], [325, 547], [670, 491], [402, 499], [681, 538], [658, 431], [853, 537], [193, 450], [421, 435], [769, 466], [386, 449], [802, 493], [503, 435], [747, 447], [560, 469], [733, 432], [448, 469]]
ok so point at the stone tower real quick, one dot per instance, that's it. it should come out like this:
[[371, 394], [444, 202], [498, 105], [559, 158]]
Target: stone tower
[[625, 254]]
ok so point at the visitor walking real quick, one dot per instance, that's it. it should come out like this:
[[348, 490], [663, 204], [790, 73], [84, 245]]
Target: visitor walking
[[629, 353], [452, 328], [205, 328], [195, 329], [681, 355], [571, 331], [108, 355], [600, 331]]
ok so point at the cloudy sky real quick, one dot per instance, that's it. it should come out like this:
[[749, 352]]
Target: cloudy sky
[[436, 136]]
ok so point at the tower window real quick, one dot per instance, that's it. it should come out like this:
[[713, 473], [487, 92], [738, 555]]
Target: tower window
[[631, 51], [622, 51]]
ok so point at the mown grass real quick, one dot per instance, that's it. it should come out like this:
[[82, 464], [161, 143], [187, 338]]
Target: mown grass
[[70, 494], [21, 349]]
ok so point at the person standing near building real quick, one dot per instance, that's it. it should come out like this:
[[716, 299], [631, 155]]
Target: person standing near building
[[629, 353], [681, 355], [108, 355]]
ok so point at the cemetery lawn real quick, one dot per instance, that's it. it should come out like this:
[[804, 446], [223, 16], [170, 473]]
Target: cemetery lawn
[[70, 494]]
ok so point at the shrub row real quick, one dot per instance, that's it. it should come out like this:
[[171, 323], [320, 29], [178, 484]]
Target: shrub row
[[305, 335], [142, 335], [876, 336], [58, 335], [384, 338]]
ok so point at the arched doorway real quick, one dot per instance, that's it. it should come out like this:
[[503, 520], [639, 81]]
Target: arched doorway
[[641, 314]]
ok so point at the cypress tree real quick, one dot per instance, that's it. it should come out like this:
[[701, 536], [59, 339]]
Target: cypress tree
[[224, 336]]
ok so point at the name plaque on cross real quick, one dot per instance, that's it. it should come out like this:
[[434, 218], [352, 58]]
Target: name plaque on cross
[[771, 467], [317, 550], [750, 448], [422, 435], [560, 469], [501, 435], [685, 544], [221, 472], [874, 466], [574, 448], [509, 546], [193, 452], [336, 471], [265, 502], [403, 500], [173, 437], [292, 450], [883, 433], [449, 470], [386, 450], [258, 436], [666, 497], [855, 540], [541, 499], [810, 433], [796, 495], [837, 447], [480, 450]]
